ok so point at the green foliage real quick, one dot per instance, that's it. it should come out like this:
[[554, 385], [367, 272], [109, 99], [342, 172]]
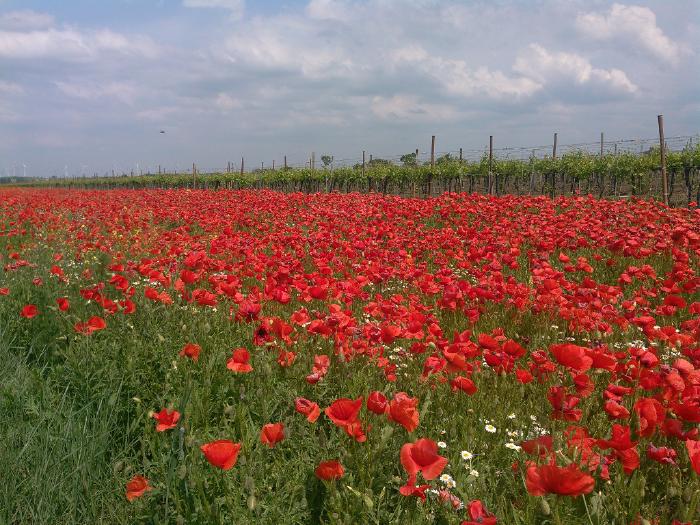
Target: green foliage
[[576, 165]]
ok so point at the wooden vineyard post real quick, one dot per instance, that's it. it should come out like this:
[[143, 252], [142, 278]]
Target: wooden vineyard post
[[285, 162], [601, 144], [490, 181], [662, 148], [532, 173], [554, 158], [363, 163], [432, 165], [242, 166], [413, 183], [194, 176]]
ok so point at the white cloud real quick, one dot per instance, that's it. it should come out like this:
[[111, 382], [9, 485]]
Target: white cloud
[[26, 19], [121, 91], [328, 10], [70, 44], [633, 23], [289, 44], [409, 107], [226, 102], [10, 88], [236, 7], [545, 67], [458, 78]]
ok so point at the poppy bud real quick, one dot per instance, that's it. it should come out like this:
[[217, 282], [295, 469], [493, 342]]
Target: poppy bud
[[180, 520], [161, 338], [118, 466], [252, 502], [544, 507], [182, 471], [644, 521], [229, 410]]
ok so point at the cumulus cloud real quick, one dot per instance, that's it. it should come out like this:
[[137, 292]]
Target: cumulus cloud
[[71, 44], [634, 24], [10, 88], [290, 44], [121, 91], [545, 67], [409, 107], [337, 10], [25, 19], [236, 7], [226, 102]]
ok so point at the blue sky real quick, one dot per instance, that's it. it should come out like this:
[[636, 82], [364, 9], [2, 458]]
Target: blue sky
[[86, 86]]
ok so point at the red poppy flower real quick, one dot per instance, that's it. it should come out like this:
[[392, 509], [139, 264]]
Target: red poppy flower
[[422, 457], [479, 515], [417, 491], [572, 356], [540, 446], [92, 325], [523, 376], [615, 410], [239, 362], [344, 411], [191, 350], [136, 487], [63, 303], [377, 403], [166, 419], [550, 479], [693, 448], [403, 410], [222, 453], [271, 434], [661, 454], [354, 430], [329, 470], [307, 408], [464, 384], [29, 311]]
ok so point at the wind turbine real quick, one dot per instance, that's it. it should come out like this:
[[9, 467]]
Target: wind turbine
[[24, 168]]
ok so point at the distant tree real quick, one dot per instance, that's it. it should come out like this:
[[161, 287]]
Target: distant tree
[[444, 159], [379, 162], [327, 160], [409, 159]]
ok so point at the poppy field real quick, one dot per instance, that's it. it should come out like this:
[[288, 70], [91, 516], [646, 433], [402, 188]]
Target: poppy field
[[179, 356]]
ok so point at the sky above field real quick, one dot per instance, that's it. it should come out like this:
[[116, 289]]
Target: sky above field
[[86, 86]]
